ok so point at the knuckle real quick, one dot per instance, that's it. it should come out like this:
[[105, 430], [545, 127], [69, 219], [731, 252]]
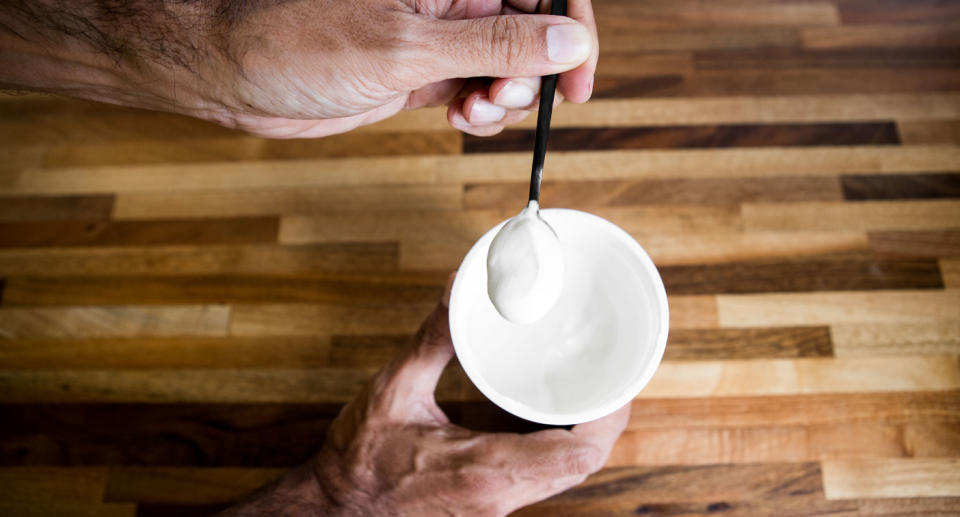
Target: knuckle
[[584, 460], [506, 40]]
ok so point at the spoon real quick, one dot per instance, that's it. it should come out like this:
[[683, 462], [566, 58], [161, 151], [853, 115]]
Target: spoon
[[525, 260]]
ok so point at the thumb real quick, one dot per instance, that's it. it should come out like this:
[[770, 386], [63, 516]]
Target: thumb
[[505, 46]]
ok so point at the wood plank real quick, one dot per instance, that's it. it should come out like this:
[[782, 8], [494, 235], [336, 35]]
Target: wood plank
[[199, 260], [929, 132], [692, 311], [897, 11], [822, 409], [753, 377], [901, 186], [116, 321], [774, 489], [926, 506], [840, 58], [843, 274], [261, 202], [691, 137], [805, 375], [667, 16], [891, 477], [665, 250], [38, 485], [805, 81], [166, 353], [633, 64], [258, 320], [929, 244], [864, 216], [40, 208], [586, 165], [950, 269], [184, 485], [708, 191], [867, 307], [468, 225], [883, 35], [874, 339], [240, 230], [342, 289], [685, 39], [787, 342]]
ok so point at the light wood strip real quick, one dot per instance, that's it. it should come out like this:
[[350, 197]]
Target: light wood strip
[[116, 321], [756, 37], [165, 353], [861, 216], [379, 226], [634, 64], [446, 170], [929, 132], [308, 320], [198, 260], [671, 249], [950, 271], [829, 409], [942, 337], [38, 485], [945, 34], [695, 311], [684, 379], [232, 203], [891, 477], [858, 307], [185, 485], [808, 375]]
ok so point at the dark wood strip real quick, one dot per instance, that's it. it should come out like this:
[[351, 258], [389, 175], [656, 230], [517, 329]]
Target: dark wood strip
[[717, 344], [805, 81], [911, 506], [692, 137], [240, 230], [929, 131], [366, 351], [807, 276], [339, 289], [901, 186], [719, 191], [47, 208], [919, 244], [792, 59], [897, 11], [180, 510], [773, 489]]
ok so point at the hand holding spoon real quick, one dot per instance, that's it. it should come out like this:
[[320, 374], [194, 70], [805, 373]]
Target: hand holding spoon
[[525, 260]]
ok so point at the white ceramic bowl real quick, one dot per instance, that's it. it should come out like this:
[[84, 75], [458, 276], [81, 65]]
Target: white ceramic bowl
[[593, 351]]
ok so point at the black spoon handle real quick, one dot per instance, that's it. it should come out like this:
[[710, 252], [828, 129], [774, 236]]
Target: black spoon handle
[[547, 89]]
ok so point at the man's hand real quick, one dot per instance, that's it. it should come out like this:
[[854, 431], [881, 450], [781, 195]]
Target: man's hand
[[392, 451], [302, 68]]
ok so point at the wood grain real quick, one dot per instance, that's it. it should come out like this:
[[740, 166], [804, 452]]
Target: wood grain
[[783, 342], [950, 269], [905, 186], [248, 230], [924, 243], [691, 137], [901, 306], [37, 485], [184, 485], [890, 477], [323, 319], [929, 132], [114, 321], [865, 216], [199, 260], [40, 208], [709, 191], [852, 340], [922, 35]]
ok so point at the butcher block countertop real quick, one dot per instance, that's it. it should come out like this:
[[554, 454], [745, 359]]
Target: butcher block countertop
[[185, 308]]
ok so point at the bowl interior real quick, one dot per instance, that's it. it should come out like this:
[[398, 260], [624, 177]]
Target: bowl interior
[[592, 352]]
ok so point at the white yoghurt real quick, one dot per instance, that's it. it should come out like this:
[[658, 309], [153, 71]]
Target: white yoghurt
[[525, 267]]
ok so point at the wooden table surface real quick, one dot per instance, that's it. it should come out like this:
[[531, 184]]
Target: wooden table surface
[[185, 308]]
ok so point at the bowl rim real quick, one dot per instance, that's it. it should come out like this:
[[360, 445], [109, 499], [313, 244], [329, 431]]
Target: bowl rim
[[586, 415]]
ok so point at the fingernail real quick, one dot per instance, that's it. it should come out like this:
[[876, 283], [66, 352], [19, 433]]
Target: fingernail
[[515, 95], [485, 112], [568, 43]]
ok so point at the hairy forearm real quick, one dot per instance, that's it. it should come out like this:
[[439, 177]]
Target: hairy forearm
[[132, 52]]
